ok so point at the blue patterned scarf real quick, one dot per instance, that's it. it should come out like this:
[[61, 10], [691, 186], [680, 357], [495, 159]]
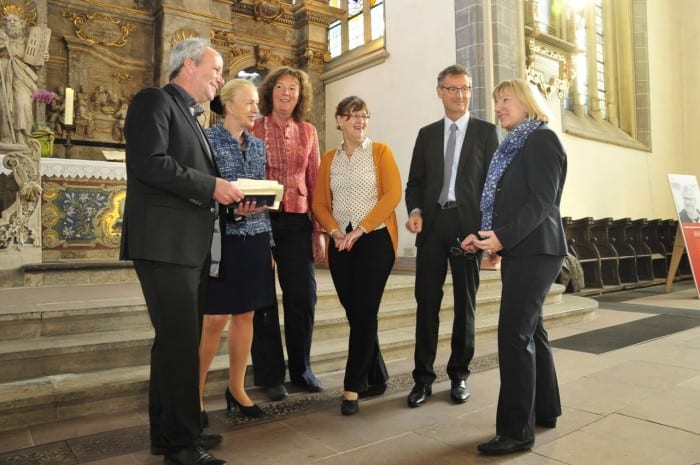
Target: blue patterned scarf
[[505, 153]]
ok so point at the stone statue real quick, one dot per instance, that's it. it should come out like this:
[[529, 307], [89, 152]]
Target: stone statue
[[18, 78], [57, 109]]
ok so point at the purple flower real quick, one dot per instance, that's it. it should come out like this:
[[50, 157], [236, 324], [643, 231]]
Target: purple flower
[[44, 96]]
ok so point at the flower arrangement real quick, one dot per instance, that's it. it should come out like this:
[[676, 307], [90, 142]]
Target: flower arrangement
[[44, 135], [44, 96]]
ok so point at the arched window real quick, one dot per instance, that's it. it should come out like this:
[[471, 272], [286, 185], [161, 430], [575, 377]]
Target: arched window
[[363, 24], [602, 49]]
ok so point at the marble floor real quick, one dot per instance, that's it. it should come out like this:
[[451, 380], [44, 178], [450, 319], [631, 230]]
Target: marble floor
[[637, 404]]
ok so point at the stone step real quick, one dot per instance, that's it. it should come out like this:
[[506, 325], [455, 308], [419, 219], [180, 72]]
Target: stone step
[[28, 312], [43, 399], [90, 337], [67, 351]]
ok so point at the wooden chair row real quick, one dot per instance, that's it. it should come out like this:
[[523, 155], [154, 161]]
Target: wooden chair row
[[622, 252]]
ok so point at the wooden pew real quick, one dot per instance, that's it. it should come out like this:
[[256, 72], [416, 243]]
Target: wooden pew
[[578, 236], [645, 270], [622, 238]]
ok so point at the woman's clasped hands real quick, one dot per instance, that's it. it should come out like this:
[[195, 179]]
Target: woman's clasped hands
[[347, 240]]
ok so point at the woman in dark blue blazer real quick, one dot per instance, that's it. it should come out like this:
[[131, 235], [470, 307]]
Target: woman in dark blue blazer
[[521, 224]]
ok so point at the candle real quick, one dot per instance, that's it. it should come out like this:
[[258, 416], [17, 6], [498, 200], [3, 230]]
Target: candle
[[68, 115]]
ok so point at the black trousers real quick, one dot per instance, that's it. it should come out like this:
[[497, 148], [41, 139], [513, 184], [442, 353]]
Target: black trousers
[[529, 387], [295, 272], [175, 295], [431, 270], [359, 276]]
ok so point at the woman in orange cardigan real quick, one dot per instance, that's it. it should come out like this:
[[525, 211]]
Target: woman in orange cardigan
[[357, 191]]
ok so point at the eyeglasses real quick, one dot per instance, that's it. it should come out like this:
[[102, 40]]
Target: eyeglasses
[[459, 252], [453, 90], [356, 116]]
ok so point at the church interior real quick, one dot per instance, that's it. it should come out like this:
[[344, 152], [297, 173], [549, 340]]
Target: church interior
[[616, 77]]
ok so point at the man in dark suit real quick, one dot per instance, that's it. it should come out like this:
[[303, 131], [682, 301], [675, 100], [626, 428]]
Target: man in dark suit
[[450, 160], [173, 192]]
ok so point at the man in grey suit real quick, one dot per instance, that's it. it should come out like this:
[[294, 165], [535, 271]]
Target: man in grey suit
[[450, 160], [173, 193]]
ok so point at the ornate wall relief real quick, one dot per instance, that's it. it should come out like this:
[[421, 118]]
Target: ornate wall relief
[[99, 28]]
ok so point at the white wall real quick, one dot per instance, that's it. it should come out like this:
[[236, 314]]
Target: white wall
[[604, 180], [401, 91]]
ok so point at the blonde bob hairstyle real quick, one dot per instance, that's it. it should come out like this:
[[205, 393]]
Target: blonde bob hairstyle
[[232, 87], [523, 92]]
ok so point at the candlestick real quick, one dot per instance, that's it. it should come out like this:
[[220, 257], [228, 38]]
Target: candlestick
[[67, 132], [68, 114]]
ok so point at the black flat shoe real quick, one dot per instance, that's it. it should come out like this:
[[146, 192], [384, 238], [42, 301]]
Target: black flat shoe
[[501, 445], [349, 407], [276, 393], [204, 419], [419, 394], [205, 441], [458, 391], [192, 456], [252, 411]]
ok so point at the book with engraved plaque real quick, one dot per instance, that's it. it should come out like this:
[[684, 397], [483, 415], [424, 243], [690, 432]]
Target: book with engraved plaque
[[264, 191]]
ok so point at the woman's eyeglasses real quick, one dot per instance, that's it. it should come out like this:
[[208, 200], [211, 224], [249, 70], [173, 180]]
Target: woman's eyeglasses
[[360, 116]]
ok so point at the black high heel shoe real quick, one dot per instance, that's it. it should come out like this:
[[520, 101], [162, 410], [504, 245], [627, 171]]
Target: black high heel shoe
[[232, 404], [204, 418]]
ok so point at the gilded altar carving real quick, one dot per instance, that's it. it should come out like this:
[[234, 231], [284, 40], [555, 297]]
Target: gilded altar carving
[[182, 34], [99, 28], [267, 10]]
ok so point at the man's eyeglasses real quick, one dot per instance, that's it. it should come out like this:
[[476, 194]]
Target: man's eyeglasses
[[453, 90], [459, 252], [360, 116]]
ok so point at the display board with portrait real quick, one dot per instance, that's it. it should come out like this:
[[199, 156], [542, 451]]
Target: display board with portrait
[[686, 196]]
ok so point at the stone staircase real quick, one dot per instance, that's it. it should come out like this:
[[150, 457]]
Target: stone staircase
[[76, 340]]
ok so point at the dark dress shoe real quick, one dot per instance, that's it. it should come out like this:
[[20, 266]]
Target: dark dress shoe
[[459, 392], [192, 456], [501, 445], [309, 382], [372, 390], [276, 393], [546, 422], [419, 394], [349, 407], [205, 441]]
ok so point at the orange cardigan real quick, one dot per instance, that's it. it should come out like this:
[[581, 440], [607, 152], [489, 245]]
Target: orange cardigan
[[389, 189]]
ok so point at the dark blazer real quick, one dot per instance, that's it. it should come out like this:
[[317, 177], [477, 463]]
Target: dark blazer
[[169, 213], [426, 173], [526, 217]]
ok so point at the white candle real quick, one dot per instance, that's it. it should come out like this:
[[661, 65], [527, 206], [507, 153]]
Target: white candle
[[68, 115]]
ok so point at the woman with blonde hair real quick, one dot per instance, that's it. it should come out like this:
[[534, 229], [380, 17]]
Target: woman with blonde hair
[[246, 279], [521, 226]]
